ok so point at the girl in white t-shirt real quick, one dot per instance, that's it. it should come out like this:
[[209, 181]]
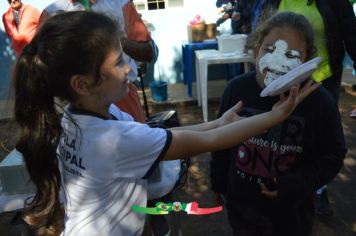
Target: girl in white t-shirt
[[96, 154]]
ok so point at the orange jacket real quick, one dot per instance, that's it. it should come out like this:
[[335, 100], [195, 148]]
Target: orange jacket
[[134, 26], [137, 31], [22, 34]]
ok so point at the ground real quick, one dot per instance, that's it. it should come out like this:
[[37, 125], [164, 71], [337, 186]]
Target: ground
[[342, 191]]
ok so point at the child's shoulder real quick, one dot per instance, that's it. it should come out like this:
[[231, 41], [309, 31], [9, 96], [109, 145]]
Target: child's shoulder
[[321, 99], [243, 83], [322, 94]]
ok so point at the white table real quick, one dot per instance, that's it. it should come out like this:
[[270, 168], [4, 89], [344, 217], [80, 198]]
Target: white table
[[204, 58]]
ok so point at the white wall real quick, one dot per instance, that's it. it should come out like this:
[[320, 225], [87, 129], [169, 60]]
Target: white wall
[[171, 31]]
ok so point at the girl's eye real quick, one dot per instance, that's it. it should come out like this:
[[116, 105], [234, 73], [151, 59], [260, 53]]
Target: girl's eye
[[292, 55], [269, 49], [120, 62]]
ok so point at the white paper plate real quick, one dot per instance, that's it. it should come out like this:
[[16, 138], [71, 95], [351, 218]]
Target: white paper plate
[[293, 77]]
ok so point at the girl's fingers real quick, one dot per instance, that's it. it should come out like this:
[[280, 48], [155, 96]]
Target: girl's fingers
[[270, 194], [238, 106], [314, 86], [263, 187], [267, 193], [309, 83], [293, 94]]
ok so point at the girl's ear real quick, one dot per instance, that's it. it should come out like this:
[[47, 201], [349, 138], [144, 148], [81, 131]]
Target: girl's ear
[[80, 84], [255, 50]]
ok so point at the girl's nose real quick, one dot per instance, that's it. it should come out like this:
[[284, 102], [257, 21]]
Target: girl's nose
[[127, 68]]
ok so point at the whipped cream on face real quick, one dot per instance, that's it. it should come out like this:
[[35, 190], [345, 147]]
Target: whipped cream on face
[[279, 61]]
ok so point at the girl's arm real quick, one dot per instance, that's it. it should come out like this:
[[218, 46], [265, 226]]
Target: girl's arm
[[189, 143], [192, 142], [229, 116]]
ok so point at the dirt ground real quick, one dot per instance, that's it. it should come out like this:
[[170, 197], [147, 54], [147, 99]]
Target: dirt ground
[[342, 191]]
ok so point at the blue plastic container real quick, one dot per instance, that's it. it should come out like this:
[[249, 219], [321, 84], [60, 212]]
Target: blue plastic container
[[159, 90]]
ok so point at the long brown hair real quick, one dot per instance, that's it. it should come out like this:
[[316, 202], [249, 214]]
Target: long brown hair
[[68, 44]]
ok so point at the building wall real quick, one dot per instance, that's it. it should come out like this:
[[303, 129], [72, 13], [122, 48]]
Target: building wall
[[171, 31]]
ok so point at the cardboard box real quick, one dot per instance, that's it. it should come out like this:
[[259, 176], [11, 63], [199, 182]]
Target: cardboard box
[[201, 31], [14, 177], [196, 33]]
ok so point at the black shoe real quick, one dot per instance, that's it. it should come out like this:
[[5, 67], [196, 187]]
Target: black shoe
[[322, 204], [159, 225]]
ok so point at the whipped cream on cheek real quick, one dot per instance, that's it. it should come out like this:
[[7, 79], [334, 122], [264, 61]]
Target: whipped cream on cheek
[[277, 63]]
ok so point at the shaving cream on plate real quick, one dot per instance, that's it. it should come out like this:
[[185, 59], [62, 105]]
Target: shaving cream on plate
[[293, 77]]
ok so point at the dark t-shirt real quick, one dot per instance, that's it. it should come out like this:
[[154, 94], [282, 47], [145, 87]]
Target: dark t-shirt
[[295, 157]]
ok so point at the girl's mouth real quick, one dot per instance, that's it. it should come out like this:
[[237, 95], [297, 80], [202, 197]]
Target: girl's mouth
[[280, 73]]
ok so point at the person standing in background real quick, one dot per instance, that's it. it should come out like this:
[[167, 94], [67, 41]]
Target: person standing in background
[[229, 9], [20, 22], [245, 9], [136, 41]]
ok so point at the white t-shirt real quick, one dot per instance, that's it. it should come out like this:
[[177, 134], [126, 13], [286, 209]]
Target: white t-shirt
[[103, 164], [111, 8]]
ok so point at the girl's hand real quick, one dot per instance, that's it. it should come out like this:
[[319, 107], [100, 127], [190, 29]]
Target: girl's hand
[[219, 199], [231, 115], [267, 193], [286, 105]]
